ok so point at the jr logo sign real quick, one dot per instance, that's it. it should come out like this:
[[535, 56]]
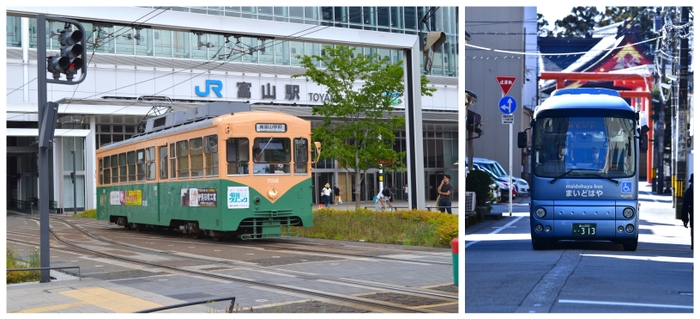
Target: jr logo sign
[[215, 86]]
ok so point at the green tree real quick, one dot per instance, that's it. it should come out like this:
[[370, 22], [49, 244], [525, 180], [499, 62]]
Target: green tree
[[541, 27], [640, 18], [579, 23], [358, 122]]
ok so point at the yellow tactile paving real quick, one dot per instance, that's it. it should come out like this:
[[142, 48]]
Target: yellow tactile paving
[[53, 308], [110, 300]]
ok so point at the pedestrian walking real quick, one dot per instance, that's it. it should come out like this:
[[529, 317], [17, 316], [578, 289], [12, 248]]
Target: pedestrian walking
[[326, 193], [405, 192], [687, 209], [444, 193], [336, 192]]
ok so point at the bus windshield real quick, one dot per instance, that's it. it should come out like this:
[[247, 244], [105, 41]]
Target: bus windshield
[[597, 147]]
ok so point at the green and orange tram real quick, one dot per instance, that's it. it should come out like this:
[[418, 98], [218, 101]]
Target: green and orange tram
[[219, 170]]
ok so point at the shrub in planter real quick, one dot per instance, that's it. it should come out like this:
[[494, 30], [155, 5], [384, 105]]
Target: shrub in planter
[[480, 183]]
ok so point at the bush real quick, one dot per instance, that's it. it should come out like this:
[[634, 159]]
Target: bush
[[480, 183], [89, 213], [404, 227], [13, 260]]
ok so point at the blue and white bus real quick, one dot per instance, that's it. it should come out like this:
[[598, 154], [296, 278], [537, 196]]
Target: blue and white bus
[[585, 168]]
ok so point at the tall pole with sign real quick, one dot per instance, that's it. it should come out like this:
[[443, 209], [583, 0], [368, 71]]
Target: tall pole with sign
[[507, 105]]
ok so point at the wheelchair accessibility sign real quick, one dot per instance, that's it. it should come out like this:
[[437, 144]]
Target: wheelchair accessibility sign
[[626, 187]]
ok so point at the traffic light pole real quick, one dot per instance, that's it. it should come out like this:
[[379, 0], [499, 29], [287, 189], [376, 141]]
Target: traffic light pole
[[71, 61], [44, 179]]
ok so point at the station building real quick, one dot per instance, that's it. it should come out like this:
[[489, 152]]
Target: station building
[[162, 60]]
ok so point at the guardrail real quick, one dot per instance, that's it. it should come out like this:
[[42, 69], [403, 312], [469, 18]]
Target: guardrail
[[192, 303], [47, 268]]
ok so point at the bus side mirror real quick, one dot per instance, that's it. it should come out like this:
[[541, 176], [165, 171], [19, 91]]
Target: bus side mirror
[[522, 140]]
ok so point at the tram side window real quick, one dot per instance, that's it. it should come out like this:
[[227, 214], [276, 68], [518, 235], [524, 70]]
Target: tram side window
[[140, 165], [115, 169], [183, 159], [301, 155], [237, 156], [104, 170], [122, 168], [196, 158], [163, 151], [211, 155], [131, 166], [173, 161], [151, 163]]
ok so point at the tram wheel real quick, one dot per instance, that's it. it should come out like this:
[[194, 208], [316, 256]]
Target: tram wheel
[[195, 235], [216, 237]]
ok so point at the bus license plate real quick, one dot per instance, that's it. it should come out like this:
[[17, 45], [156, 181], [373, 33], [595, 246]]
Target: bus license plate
[[583, 230]]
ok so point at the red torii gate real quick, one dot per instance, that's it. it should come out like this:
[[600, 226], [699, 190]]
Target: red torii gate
[[640, 97]]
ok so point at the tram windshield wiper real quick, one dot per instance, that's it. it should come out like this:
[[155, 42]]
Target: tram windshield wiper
[[569, 171]]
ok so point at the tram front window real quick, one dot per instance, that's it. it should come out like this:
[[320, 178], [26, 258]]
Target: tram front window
[[271, 155]]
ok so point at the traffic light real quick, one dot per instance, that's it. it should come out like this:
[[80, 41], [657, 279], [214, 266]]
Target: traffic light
[[70, 61], [433, 41]]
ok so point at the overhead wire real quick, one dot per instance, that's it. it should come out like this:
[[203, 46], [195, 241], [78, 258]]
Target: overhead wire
[[287, 38], [290, 37]]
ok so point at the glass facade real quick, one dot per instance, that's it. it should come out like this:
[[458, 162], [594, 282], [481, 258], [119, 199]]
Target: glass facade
[[128, 40], [440, 143]]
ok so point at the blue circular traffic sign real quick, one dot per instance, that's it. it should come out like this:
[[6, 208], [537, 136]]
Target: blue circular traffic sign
[[507, 105]]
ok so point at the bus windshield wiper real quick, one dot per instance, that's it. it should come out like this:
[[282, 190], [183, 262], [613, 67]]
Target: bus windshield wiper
[[569, 171], [613, 180]]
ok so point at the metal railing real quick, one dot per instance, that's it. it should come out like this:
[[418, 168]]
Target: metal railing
[[229, 310]]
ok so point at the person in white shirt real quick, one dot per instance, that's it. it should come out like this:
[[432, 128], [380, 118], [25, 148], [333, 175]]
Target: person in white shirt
[[326, 195]]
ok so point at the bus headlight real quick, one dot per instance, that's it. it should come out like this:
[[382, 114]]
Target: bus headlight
[[540, 212], [538, 228], [628, 212], [629, 228]]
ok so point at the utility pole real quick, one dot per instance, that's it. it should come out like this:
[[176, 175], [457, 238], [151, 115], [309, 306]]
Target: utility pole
[[681, 121]]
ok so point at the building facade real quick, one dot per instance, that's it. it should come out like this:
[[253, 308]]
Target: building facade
[[143, 61], [502, 43]]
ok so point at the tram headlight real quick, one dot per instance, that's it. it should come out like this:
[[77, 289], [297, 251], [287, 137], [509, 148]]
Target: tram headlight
[[272, 193], [540, 212], [629, 228], [628, 212]]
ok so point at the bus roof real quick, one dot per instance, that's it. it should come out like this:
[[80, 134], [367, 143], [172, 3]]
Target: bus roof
[[582, 101]]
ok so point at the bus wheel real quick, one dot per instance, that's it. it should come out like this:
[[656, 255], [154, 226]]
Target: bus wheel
[[539, 244], [630, 246]]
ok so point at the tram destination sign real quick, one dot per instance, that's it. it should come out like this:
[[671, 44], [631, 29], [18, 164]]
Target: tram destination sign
[[274, 128]]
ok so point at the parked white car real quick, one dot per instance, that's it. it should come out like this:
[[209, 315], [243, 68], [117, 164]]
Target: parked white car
[[521, 186]]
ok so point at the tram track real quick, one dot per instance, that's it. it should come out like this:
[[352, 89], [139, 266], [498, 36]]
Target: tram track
[[216, 263]]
